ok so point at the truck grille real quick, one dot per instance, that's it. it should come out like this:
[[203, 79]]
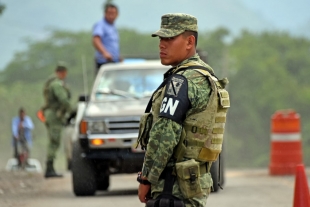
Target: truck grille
[[122, 125]]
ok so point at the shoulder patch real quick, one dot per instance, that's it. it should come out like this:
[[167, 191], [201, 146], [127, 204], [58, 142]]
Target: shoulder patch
[[174, 86], [175, 103]]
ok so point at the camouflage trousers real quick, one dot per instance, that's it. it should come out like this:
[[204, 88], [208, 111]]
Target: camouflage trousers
[[54, 135], [201, 201]]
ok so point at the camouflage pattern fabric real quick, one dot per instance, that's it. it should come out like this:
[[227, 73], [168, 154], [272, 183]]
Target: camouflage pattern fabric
[[54, 135], [58, 107], [58, 100], [46, 91], [165, 135], [175, 24]]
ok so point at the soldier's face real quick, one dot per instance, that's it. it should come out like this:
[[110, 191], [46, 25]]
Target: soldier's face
[[111, 14], [173, 50], [62, 74]]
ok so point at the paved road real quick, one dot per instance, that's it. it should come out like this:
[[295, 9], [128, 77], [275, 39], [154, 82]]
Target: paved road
[[243, 188]]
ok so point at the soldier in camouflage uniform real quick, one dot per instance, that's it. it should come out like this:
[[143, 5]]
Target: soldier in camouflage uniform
[[182, 98], [57, 107]]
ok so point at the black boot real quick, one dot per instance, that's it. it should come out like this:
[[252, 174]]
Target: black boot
[[50, 172]]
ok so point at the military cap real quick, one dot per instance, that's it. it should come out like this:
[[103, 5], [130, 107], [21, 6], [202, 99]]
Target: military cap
[[61, 66], [175, 24]]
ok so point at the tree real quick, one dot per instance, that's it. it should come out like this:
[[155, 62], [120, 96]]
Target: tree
[[271, 69], [2, 8]]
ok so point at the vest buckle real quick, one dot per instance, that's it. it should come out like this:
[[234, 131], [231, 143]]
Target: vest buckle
[[194, 129]]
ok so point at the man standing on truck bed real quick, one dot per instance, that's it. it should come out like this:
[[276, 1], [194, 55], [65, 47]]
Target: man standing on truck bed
[[183, 133], [57, 108], [106, 38]]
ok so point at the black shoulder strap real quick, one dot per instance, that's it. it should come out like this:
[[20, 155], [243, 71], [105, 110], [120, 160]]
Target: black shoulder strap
[[149, 104], [169, 180]]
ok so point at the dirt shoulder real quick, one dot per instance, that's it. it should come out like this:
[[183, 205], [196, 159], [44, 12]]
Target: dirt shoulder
[[18, 186]]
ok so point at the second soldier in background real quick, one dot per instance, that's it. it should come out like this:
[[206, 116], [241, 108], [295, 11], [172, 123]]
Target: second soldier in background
[[57, 108]]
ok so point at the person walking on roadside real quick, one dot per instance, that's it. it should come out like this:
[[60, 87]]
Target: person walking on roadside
[[183, 125], [56, 110], [106, 38]]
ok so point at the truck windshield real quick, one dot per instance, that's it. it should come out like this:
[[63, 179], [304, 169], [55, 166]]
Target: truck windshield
[[133, 83]]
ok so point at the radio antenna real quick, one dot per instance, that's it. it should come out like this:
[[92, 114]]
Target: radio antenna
[[85, 77]]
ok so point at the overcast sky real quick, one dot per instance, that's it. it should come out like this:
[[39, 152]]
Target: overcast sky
[[31, 18]]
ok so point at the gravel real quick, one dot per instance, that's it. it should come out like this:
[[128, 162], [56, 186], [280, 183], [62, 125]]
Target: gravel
[[18, 186]]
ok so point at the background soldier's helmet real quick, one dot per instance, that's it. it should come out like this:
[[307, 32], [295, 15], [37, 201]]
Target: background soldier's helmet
[[175, 24]]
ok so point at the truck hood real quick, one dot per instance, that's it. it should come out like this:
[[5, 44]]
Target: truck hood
[[125, 107]]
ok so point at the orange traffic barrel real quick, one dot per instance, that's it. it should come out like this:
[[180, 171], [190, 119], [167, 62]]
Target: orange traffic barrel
[[286, 146]]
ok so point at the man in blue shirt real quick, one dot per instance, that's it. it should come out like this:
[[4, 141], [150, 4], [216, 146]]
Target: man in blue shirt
[[22, 126], [106, 38]]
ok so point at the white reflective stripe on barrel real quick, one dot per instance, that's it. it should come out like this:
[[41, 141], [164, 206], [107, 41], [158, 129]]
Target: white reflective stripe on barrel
[[286, 137]]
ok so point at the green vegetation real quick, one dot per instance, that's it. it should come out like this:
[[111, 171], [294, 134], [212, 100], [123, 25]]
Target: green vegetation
[[267, 72], [2, 8], [270, 73]]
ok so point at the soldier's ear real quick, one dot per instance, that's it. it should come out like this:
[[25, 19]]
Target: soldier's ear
[[190, 41]]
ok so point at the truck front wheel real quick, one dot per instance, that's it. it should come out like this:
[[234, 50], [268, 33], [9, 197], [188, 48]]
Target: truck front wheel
[[83, 173]]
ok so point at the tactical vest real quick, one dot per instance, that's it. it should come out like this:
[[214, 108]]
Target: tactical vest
[[46, 93], [49, 98], [202, 133]]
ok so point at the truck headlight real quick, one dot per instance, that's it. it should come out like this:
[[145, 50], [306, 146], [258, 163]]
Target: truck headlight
[[95, 126]]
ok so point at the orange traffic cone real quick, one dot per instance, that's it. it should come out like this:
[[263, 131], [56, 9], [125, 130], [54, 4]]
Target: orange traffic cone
[[301, 193]]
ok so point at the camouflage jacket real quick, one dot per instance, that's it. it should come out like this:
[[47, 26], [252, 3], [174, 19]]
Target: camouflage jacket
[[165, 133], [57, 97]]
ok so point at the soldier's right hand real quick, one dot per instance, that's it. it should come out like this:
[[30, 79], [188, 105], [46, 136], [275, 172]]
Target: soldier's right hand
[[108, 56], [143, 192]]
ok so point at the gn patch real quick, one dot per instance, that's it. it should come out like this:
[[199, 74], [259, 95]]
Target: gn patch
[[175, 103]]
